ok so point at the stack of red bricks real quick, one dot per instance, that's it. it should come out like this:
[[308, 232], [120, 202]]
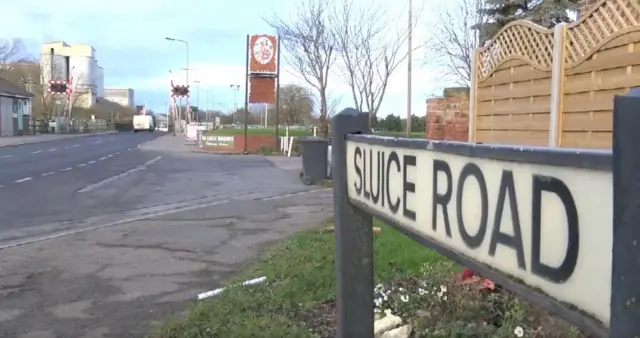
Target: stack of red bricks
[[447, 118]]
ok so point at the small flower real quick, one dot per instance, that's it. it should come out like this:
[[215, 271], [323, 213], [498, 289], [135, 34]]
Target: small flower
[[422, 292], [443, 288], [377, 301], [404, 298], [444, 298], [387, 312], [519, 331], [379, 288], [401, 289]]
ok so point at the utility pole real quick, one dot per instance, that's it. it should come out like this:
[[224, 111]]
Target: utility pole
[[197, 99], [236, 89], [410, 51]]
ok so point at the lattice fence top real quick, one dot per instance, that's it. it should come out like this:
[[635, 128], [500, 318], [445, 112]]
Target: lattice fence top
[[521, 40], [606, 20]]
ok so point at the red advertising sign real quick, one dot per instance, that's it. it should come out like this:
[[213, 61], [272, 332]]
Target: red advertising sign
[[262, 90], [263, 54]]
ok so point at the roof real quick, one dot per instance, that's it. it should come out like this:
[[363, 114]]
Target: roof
[[9, 89]]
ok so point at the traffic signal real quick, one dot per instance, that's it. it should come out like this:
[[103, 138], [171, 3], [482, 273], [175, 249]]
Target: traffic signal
[[58, 87], [180, 91]]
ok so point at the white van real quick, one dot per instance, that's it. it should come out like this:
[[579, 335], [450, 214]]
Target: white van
[[144, 123]]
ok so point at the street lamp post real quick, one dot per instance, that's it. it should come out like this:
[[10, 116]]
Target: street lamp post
[[186, 68], [197, 82], [236, 89]]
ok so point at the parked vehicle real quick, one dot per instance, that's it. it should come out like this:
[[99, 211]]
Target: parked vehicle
[[144, 123]]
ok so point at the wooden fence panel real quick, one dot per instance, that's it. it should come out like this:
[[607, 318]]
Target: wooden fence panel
[[513, 87]]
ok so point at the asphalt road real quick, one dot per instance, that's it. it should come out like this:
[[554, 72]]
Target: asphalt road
[[42, 183], [117, 243]]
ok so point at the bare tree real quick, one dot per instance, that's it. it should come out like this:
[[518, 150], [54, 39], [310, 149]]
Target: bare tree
[[455, 38], [310, 48], [78, 91], [372, 44], [11, 52], [296, 104]]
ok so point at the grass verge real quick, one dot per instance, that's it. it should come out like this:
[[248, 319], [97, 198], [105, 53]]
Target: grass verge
[[298, 299], [259, 131], [295, 132]]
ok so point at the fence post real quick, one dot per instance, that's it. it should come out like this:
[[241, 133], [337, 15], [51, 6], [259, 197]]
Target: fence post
[[625, 272], [557, 84], [353, 236], [473, 96]]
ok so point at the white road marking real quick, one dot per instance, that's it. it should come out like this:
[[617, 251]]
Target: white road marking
[[129, 149], [49, 173], [7, 156], [67, 147], [102, 158], [109, 155], [76, 145], [119, 176], [23, 180], [66, 169], [118, 153], [52, 149], [91, 162], [81, 165], [98, 142], [140, 217], [37, 152]]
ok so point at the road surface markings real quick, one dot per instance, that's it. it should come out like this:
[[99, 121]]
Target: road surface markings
[[23, 180], [52, 149], [110, 155], [37, 152], [66, 169], [49, 173], [118, 153], [76, 145], [119, 176], [129, 149], [81, 165], [7, 156], [144, 216], [102, 158], [98, 142], [67, 147], [91, 162]]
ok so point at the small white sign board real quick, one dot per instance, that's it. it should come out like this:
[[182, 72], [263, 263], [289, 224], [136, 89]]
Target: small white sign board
[[192, 132], [548, 226]]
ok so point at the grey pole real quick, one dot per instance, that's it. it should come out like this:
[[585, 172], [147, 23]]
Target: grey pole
[[625, 270], [354, 236]]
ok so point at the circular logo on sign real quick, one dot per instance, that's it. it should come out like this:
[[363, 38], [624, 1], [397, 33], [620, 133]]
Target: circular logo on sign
[[263, 50]]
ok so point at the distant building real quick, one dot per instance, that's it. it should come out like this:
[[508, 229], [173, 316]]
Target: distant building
[[60, 61], [15, 109], [122, 96]]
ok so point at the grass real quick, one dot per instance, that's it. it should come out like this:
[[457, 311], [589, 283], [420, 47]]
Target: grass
[[298, 299], [295, 132], [260, 131]]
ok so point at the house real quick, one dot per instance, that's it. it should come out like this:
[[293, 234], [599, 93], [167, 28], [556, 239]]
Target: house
[[15, 109]]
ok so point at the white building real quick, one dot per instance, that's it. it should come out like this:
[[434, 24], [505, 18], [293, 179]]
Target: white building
[[62, 61], [121, 96]]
